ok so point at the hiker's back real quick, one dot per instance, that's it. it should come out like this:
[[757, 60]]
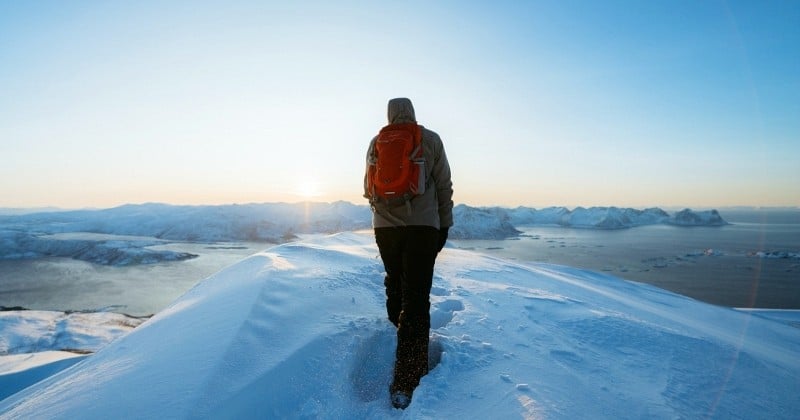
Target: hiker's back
[[396, 172], [416, 189]]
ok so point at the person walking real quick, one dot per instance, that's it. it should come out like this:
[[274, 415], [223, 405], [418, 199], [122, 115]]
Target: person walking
[[411, 228]]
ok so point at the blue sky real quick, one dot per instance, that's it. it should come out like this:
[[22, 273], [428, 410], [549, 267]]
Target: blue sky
[[626, 103]]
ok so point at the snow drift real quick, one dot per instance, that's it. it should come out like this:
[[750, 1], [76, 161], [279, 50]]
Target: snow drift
[[37, 344], [299, 331]]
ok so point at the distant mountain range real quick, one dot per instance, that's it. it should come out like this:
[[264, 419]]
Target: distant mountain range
[[41, 234]]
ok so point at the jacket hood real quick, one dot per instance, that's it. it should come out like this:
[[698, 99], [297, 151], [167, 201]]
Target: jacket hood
[[401, 111]]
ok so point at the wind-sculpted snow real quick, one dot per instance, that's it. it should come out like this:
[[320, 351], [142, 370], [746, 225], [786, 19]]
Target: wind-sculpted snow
[[300, 331], [37, 344]]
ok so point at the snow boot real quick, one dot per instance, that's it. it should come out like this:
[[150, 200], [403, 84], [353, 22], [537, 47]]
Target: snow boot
[[401, 400]]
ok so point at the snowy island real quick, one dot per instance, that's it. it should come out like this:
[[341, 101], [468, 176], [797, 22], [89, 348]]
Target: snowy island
[[299, 331], [126, 235]]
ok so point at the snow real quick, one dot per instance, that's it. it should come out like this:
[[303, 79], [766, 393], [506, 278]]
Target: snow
[[611, 217], [117, 250], [37, 344], [125, 235], [687, 217], [269, 222], [34, 331], [20, 371], [299, 331], [481, 223]]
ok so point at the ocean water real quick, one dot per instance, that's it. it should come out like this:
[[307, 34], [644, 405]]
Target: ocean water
[[64, 284], [718, 265]]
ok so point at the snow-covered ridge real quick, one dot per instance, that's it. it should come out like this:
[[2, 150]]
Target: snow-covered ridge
[[138, 228], [300, 331]]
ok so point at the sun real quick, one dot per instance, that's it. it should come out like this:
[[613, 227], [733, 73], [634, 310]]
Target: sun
[[307, 188]]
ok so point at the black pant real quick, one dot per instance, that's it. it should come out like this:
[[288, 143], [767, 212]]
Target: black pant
[[408, 255]]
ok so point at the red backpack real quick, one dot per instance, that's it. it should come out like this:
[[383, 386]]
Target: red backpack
[[396, 171]]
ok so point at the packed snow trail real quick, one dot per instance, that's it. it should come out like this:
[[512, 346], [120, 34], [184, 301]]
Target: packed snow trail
[[300, 331]]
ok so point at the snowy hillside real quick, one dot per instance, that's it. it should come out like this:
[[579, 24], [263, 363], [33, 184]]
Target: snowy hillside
[[134, 229], [37, 344], [299, 331]]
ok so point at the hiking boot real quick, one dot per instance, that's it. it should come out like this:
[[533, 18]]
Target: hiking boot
[[401, 400]]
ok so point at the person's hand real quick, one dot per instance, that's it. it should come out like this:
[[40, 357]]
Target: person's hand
[[442, 238]]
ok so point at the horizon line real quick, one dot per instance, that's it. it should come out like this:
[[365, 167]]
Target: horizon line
[[56, 208]]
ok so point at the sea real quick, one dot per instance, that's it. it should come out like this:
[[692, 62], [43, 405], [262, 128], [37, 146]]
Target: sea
[[753, 262]]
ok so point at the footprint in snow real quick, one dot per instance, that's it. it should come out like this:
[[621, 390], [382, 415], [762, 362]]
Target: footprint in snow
[[442, 312], [439, 291]]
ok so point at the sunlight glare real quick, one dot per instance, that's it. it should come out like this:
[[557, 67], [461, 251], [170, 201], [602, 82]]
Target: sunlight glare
[[307, 188]]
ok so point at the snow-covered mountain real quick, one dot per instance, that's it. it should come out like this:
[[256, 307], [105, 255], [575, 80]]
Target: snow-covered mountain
[[45, 234], [687, 217], [299, 331], [481, 223], [269, 222], [594, 217], [611, 217], [136, 228], [98, 248]]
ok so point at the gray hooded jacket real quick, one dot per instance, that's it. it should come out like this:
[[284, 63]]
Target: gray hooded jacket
[[434, 207]]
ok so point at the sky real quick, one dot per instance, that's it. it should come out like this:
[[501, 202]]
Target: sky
[[539, 103]]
